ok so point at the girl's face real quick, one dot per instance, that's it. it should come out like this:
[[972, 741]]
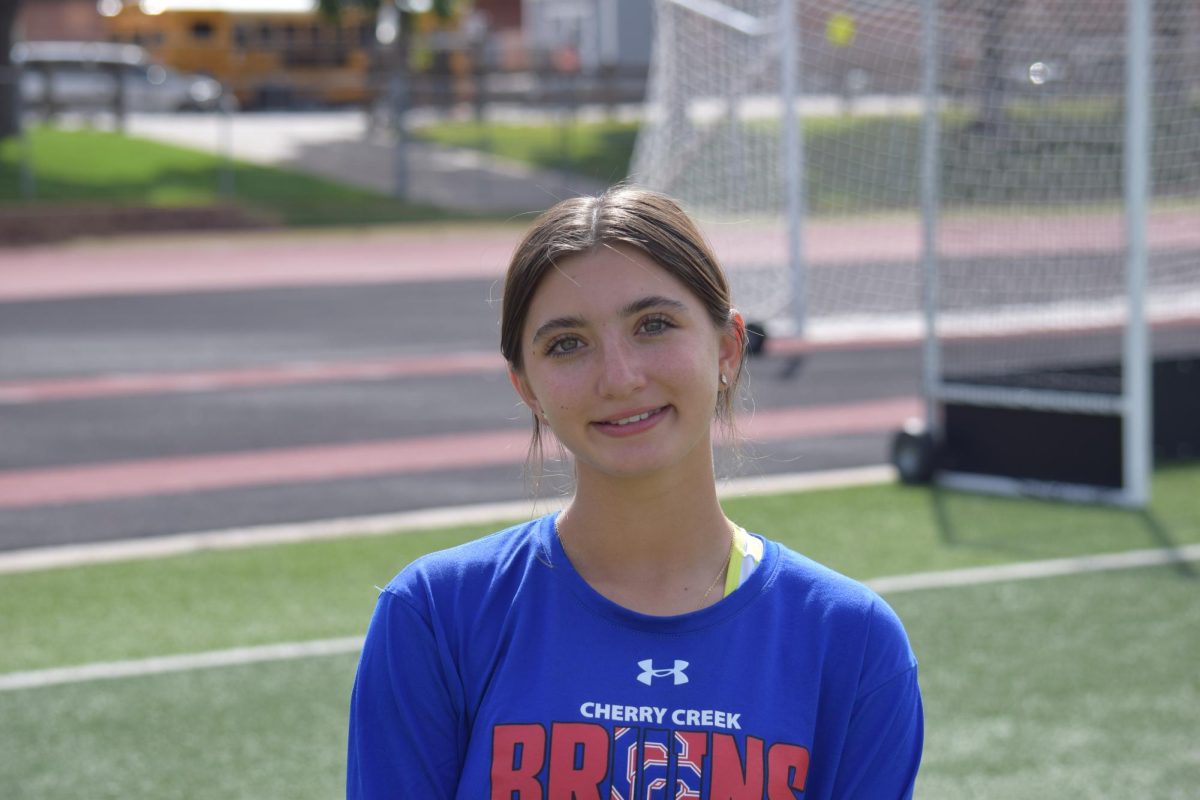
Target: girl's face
[[624, 363]]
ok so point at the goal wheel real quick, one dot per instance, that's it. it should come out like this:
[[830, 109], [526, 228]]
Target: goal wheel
[[914, 454]]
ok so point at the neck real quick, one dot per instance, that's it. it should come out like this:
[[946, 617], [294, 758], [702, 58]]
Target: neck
[[645, 530]]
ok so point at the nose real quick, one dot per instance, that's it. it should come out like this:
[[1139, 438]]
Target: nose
[[621, 372]]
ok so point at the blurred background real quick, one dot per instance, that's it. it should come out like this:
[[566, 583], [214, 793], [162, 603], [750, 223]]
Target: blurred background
[[293, 83], [251, 255], [916, 204]]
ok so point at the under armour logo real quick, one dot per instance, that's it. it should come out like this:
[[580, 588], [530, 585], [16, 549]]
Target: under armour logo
[[649, 673]]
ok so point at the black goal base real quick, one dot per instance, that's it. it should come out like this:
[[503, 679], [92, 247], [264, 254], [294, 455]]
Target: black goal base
[[1058, 446]]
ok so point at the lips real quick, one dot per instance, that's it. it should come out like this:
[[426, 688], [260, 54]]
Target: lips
[[637, 420]]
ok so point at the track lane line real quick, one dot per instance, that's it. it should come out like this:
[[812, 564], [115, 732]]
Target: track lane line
[[183, 474], [16, 392]]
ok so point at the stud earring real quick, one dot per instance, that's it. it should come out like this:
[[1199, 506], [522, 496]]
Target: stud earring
[[724, 380]]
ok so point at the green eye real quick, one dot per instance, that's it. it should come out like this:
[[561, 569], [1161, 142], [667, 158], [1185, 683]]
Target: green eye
[[563, 346], [656, 325]]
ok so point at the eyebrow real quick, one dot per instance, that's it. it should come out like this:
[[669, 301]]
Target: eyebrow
[[653, 301], [635, 307]]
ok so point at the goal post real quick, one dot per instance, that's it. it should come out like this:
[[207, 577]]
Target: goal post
[[1066, 414], [1008, 188], [721, 114]]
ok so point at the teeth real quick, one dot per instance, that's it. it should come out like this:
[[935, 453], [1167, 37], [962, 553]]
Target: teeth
[[637, 418]]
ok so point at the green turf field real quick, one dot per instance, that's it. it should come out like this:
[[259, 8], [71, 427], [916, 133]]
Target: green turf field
[[1073, 686]]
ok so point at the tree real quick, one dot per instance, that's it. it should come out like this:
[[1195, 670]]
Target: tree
[[10, 122]]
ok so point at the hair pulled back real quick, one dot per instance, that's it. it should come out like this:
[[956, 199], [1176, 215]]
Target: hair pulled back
[[624, 215]]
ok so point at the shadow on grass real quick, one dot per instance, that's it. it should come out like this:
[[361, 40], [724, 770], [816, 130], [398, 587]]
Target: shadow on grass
[[1161, 534], [1032, 529]]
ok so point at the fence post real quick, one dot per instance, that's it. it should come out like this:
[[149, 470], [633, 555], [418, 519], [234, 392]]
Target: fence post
[[120, 100], [226, 184], [28, 178]]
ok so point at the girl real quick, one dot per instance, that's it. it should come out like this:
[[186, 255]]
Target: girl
[[639, 643]]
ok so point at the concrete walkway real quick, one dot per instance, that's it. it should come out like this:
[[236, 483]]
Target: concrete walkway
[[345, 147]]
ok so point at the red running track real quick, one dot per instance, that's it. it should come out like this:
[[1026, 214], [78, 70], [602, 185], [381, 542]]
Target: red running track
[[84, 483], [382, 255]]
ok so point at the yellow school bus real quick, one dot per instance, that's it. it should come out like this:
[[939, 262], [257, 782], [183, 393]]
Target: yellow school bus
[[268, 53]]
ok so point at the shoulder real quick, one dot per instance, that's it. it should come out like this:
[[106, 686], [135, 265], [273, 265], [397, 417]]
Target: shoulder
[[849, 614], [496, 562], [814, 583]]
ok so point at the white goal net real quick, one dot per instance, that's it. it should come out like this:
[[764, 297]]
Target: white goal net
[[1017, 111]]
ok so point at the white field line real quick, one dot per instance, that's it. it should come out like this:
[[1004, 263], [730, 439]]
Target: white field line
[[1028, 570], [160, 665], [897, 584], [42, 558]]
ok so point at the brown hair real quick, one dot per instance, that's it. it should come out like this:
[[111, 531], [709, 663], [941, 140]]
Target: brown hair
[[648, 221]]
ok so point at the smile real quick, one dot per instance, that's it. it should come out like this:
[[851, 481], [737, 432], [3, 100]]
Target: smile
[[633, 422], [635, 418]]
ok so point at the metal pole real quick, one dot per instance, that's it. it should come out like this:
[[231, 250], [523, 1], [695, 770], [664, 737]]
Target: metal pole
[[26, 169], [225, 143], [28, 177], [793, 160], [399, 92], [1136, 438], [930, 201]]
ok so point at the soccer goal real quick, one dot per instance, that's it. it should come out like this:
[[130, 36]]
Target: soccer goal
[[1013, 188]]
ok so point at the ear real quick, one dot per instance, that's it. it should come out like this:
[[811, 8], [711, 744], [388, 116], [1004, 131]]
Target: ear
[[733, 344], [523, 391]]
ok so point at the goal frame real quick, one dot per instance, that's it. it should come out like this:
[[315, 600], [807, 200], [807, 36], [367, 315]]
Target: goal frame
[[1126, 413], [1132, 407]]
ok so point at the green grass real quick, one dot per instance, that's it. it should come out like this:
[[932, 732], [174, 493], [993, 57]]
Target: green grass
[[1060, 688], [98, 167], [1032, 689], [255, 732], [1052, 155], [325, 589], [854, 164], [204, 601]]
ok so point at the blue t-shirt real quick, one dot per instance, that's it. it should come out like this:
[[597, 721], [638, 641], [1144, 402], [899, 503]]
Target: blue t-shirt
[[493, 670]]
